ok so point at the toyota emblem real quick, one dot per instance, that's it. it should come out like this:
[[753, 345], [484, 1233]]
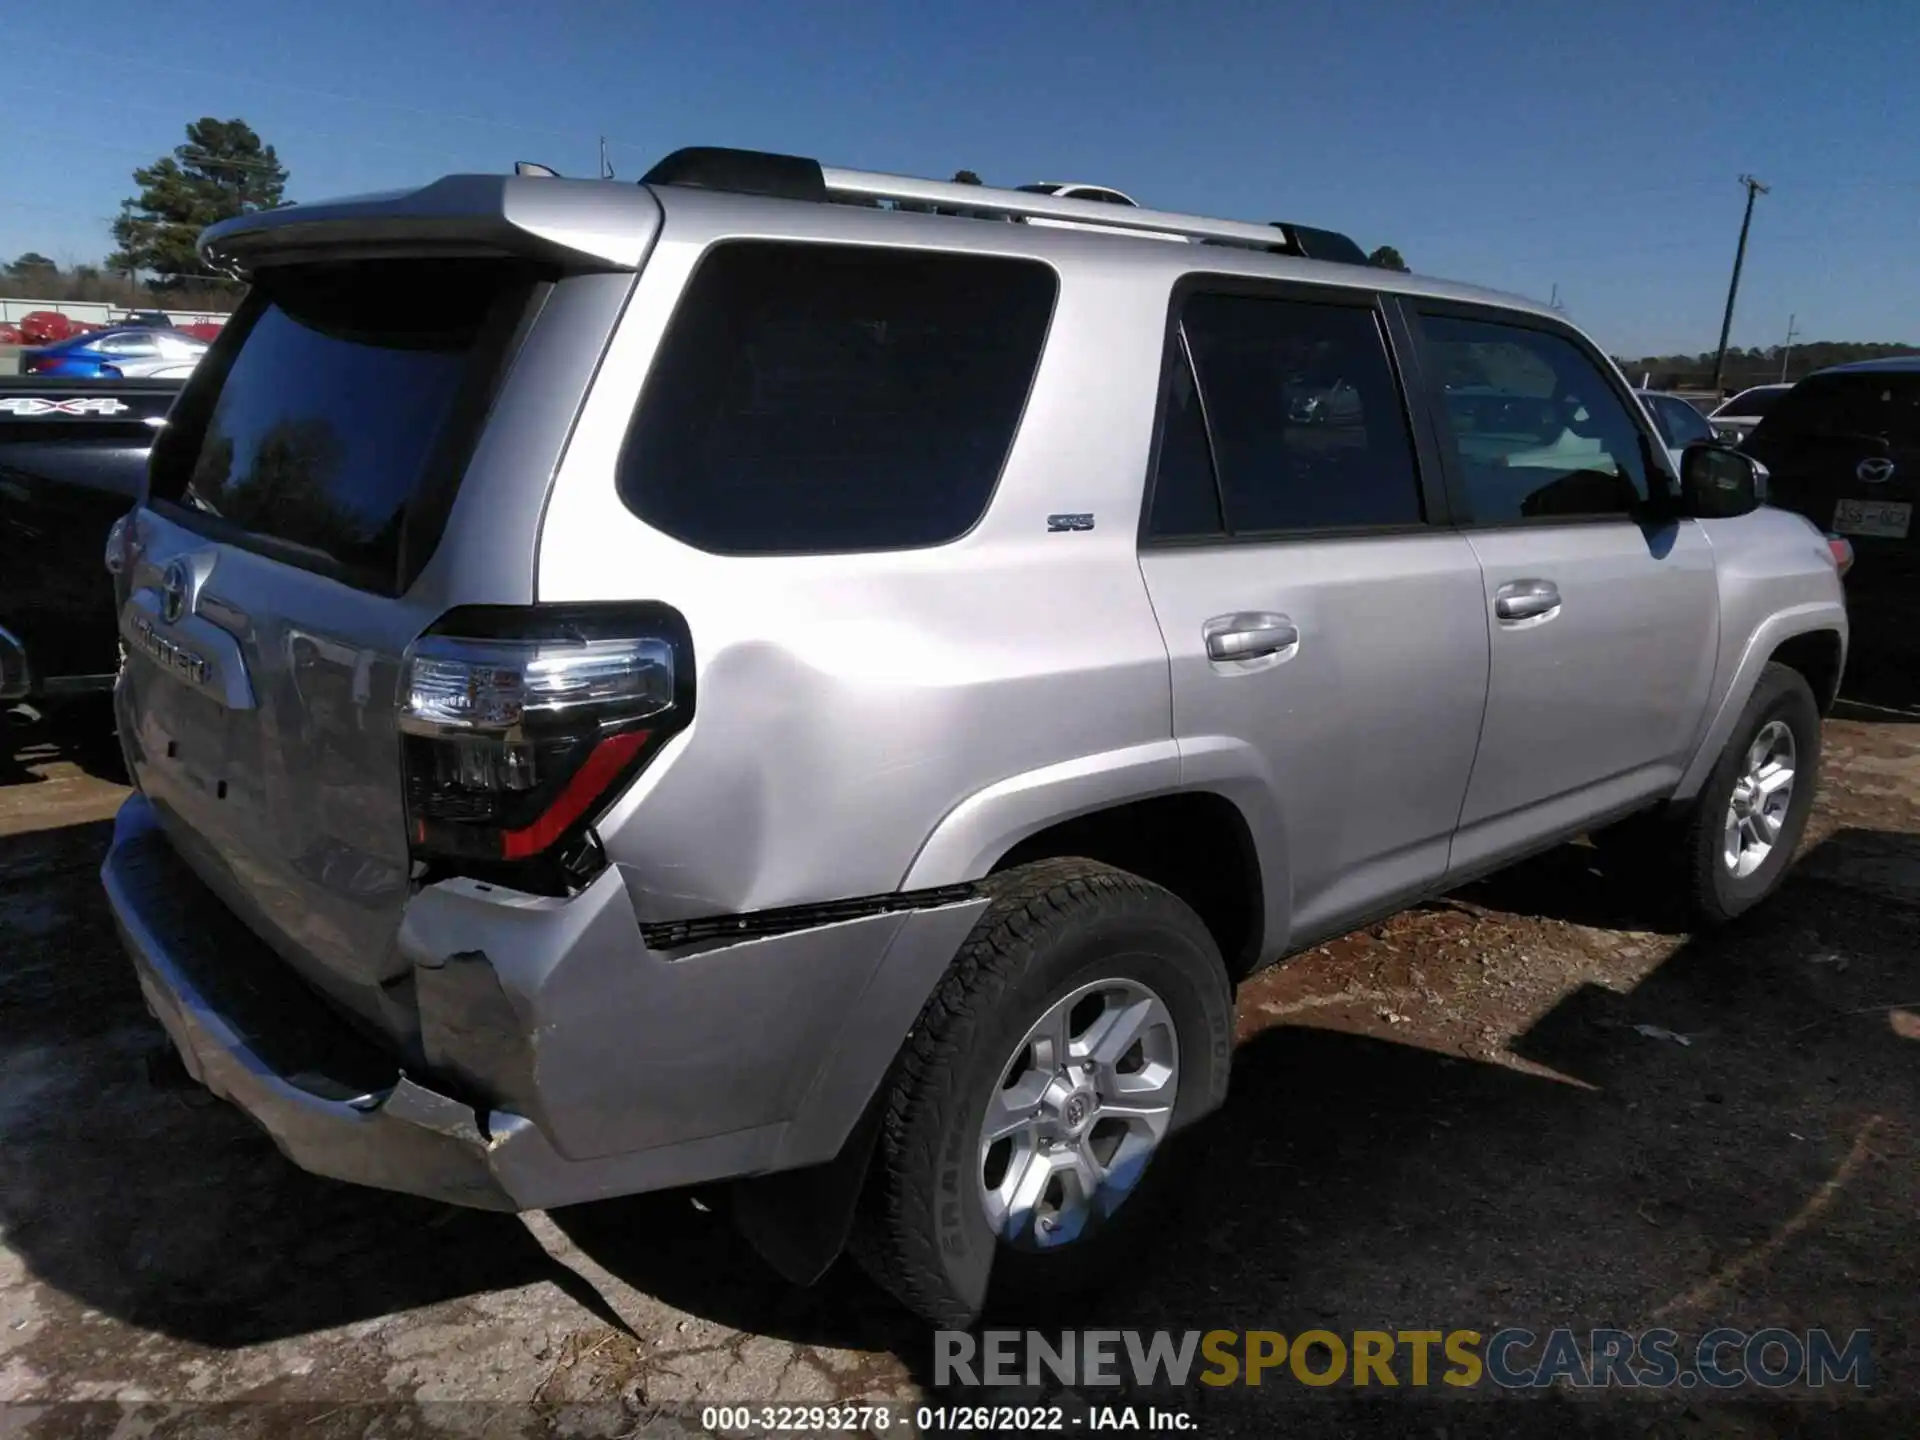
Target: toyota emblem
[[1875, 469], [173, 592]]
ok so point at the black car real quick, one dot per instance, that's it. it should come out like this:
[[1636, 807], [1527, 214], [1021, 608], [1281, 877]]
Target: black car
[[73, 456], [1843, 447]]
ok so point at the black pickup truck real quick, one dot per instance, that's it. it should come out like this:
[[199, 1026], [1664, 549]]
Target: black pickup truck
[[73, 455]]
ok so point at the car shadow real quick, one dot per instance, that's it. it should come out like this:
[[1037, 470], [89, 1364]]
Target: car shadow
[[1882, 680], [80, 732], [1580, 885], [1594, 1174]]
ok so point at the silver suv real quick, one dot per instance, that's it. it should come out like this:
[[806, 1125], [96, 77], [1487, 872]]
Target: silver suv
[[721, 680]]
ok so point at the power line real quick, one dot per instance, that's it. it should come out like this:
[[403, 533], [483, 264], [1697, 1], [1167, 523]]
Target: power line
[[1754, 187]]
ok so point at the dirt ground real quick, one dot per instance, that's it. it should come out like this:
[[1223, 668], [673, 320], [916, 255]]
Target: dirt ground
[[1450, 1120]]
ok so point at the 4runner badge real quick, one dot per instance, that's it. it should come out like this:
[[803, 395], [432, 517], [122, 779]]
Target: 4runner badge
[[1059, 524], [79, 405]]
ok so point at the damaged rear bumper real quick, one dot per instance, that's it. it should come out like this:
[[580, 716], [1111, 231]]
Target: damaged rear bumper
[[595, 1057]]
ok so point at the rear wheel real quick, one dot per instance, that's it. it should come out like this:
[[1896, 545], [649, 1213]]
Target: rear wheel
[[1029, 1134]]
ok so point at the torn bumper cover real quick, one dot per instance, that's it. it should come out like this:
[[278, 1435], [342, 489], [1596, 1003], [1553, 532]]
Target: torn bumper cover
[[596, 1059]]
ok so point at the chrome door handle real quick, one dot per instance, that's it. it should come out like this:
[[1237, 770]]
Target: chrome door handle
[[1250, 635], [1526, 599]]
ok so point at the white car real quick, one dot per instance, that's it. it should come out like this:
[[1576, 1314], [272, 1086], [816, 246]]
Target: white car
[[1102, 194], [1735, 418]]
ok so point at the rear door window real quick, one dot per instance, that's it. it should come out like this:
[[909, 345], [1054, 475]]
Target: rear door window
[[1306, 420], [835, 398], [346, 412]]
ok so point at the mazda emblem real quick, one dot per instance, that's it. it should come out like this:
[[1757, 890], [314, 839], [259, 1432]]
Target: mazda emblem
[[1875, 470]]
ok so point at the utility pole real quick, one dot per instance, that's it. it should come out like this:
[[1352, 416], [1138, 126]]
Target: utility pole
[[1786, 352], [606, 170], [1553, 301], [1754, 187]]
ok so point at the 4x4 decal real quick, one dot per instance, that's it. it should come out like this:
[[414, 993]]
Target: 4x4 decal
[[78, 405]]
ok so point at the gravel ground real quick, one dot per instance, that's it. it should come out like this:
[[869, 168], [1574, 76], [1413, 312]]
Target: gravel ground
[[1454, 1119]]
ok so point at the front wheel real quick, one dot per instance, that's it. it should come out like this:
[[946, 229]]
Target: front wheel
[[1029, 1133], [1741, 833]]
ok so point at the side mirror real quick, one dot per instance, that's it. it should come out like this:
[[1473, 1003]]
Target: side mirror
[[1718, 483]]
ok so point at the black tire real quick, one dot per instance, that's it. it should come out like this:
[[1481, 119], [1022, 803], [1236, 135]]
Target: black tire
[[1051, 928], [1714, 892]]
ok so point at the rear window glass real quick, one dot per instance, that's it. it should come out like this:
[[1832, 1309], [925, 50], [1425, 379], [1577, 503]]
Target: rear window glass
[[1885, 406], [821, 398], [341, 408]]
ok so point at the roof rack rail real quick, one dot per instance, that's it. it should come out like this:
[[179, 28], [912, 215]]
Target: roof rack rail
[[793, 177], [1022, 204]]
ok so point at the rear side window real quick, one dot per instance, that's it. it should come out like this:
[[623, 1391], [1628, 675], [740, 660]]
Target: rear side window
[[1186, 497], [1308, 428], [833, 398], [346, 411]]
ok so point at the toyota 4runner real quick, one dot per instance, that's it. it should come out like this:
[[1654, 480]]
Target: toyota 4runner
[[720, 680]]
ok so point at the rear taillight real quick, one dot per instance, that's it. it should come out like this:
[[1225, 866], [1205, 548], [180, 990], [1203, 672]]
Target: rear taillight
[[1841, 549], [520, 726]]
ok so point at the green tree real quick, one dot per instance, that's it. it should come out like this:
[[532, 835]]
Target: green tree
[[1388, 258], [965, 177], [32, 266], [222, 171]]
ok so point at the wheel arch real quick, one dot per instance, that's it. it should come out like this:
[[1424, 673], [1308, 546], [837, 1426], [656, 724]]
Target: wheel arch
[[1810, 638], [1216, 842]]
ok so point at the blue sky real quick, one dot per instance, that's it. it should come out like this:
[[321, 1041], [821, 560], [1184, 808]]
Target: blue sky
[[1516, 143]]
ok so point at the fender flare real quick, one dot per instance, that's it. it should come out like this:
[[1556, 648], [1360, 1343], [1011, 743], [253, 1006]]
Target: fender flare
[[1766, 638], [976, 832]]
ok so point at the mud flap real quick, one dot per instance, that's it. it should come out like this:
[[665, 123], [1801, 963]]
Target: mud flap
[[798, 1221]]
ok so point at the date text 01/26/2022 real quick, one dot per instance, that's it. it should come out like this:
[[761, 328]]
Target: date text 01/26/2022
[[930, 1419]]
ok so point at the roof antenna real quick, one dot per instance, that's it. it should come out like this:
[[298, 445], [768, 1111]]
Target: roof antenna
[[527, 167]]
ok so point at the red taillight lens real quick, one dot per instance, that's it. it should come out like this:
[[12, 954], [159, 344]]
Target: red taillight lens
[[1842, 549], [518, 727]]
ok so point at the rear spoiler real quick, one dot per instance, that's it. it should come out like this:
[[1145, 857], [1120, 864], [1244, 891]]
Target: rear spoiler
[[579, 224]]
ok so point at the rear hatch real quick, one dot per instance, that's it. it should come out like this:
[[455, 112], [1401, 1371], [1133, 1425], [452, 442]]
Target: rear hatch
[[367, 447], [1843, 449]]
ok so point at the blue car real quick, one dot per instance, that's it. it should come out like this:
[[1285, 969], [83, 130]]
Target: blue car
[[129, 352]]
